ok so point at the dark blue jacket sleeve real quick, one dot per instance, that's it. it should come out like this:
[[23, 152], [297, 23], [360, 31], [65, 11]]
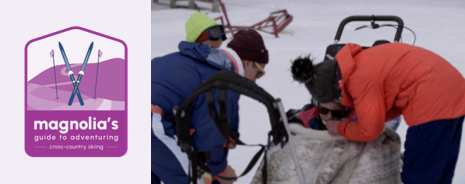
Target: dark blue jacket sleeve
[[207, 135], [314, 124]]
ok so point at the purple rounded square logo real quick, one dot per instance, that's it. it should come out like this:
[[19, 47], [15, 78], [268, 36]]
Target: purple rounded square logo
[[76, 95]]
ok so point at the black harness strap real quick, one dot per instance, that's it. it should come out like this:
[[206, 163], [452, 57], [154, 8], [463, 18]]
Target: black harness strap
[[222, 124], [225, 80], [251, 163], [197, 160], [221, 121]]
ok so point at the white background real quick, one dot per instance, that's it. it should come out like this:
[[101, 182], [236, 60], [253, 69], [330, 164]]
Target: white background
[[24, 20]]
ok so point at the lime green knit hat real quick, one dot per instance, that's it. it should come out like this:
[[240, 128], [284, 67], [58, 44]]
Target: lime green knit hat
[[196, 24]]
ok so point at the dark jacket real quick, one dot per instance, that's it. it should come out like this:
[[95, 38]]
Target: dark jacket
[[174, 77]]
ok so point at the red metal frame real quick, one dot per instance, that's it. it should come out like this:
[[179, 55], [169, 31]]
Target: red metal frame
[[274, 24]]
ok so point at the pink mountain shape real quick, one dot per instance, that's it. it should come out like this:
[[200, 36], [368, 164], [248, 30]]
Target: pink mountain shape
[[110, 94]]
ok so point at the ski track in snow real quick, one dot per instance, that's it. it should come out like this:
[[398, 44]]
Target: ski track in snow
[[438, 26]]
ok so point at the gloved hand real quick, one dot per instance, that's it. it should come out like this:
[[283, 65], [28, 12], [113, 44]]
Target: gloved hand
[[229, 145], [227, 173]]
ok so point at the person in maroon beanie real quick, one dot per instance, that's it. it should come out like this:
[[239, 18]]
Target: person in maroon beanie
[[250, 47]]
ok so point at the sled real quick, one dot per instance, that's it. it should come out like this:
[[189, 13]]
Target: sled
[[273, 24], [228, 80], [332, 49]]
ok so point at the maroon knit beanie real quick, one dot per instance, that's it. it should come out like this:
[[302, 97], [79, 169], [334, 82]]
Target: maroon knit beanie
[[249, 45]]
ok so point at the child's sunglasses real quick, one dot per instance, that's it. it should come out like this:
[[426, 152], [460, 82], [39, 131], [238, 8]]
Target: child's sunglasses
[[334, 113]]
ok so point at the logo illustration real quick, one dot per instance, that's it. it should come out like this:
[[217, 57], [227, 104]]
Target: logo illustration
[[67, 114]]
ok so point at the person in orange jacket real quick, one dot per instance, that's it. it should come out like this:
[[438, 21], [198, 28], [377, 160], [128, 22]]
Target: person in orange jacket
[[389, 80]]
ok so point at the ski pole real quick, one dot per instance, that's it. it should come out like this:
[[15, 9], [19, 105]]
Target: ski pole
[[96, 76], [81, 73], [52, 54], [298, 169], [70, 72]]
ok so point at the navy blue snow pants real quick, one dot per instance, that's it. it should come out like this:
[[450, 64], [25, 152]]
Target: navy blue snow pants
[[431, 151], [169, 164]]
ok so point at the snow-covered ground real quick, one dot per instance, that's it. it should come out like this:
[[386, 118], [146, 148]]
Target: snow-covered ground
[[438, 26]]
